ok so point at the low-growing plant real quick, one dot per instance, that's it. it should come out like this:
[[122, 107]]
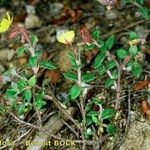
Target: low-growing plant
[[108, 65], [22, 94]]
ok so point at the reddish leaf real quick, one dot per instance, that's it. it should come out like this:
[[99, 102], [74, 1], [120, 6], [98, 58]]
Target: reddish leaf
[[20, 18], [67, 13], [53, 76], [145, 108], [77, 16], [34, 2], [22, 60], [141, 85]]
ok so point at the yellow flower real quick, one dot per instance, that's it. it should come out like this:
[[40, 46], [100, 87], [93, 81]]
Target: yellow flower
[[65, 37], [5, 23], [134, 42]]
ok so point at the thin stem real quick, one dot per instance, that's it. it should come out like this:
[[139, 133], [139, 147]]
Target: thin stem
[[23, 122], [81, 98], [117, 105], [79, 68], [80, 84]]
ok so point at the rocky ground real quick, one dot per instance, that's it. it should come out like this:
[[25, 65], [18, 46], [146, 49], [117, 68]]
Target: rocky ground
[[45, 18]]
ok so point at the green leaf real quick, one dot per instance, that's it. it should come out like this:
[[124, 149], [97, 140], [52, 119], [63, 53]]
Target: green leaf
[[133, 36], [71, 76], [89, 47], [39, 104], [92, 113], [20, 51], [110, 42], [114, 74], [97, 101], [111, 129], [14, 85], [141, 2], [133, 50], [122, 53], [72, 58], [88, 133], [130, 63], [27, 95], [88, 77], [94, 119], [136, 69], [89, 106], [101, 70], [34, 39], [11, 94], [104, 48], [47, 65], [101, 42], [96, 35], [145, 13], [21, 109], [99, 60], [75, 91], [32, 81], [21, 84], [88, 121], [33, 61], [108, 113], [109, 82], [111, 64]]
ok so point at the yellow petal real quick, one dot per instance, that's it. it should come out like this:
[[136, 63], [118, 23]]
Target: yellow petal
[[65, 37], [5, 23], [134, 42]]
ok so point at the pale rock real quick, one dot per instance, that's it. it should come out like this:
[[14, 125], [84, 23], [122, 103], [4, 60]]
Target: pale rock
[[111, 14], [6, 54], [138, 136], [33, 21], [56, 8], [30, 9], [137, 14]]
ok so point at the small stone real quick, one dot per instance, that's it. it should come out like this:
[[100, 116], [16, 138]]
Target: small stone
[[137, 14], [56, 8], [30, 9], [33, 21], [111, 14], [6, 54]]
